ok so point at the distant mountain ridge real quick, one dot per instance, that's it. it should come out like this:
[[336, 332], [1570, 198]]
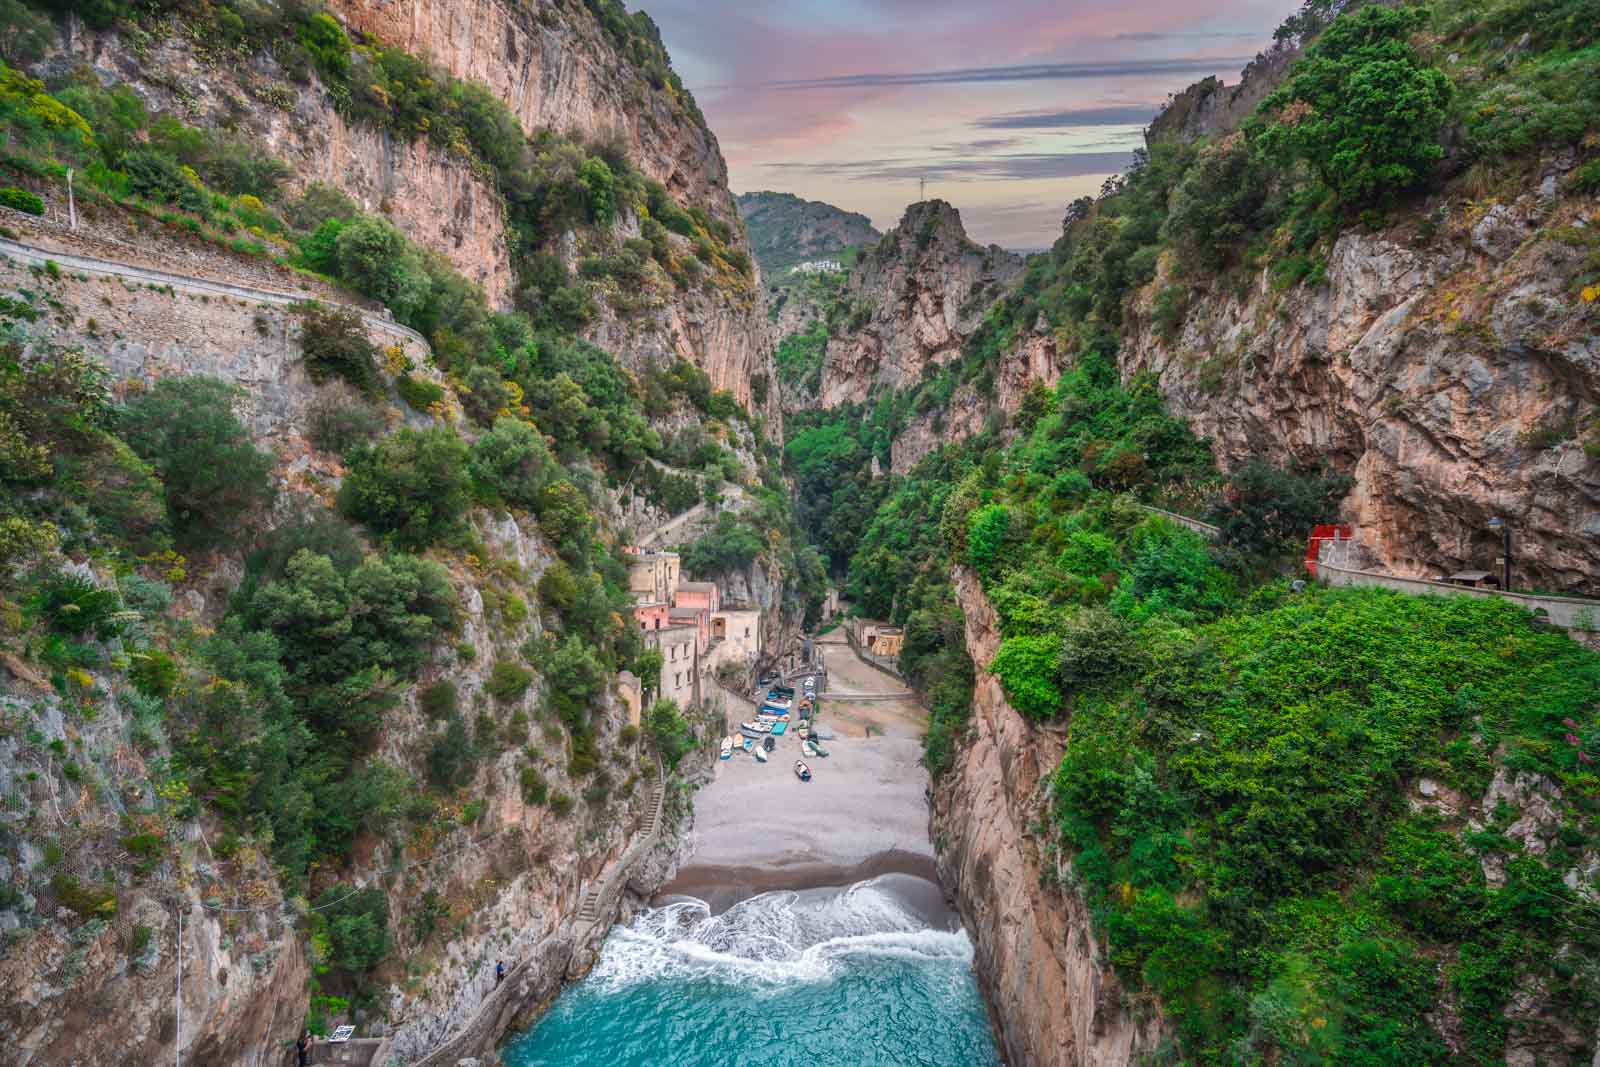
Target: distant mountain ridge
[[785, 230]]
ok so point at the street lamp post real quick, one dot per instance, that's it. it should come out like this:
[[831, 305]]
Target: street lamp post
[[1503, 528]]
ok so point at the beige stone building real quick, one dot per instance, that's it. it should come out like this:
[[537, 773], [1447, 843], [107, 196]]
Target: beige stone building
[[653, 576], [878, 638], [680, 662], [735, 638]]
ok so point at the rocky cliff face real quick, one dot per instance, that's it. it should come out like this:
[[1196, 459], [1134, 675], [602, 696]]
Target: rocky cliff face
[[437, 199], [911, 302], [1447, 363], [1055, 999], [554, 65]]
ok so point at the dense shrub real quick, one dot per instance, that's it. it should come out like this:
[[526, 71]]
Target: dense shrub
[[510, 464], [1361, 109], [451, 759], [439, 700], [732, 545], [375, 258], [21, 200], [355, 924], [333, 341], [212, 474], [341, 418], [1266, 511], [1026, 667], [411, 487], [670, 731], [418, 393], [508, 681]]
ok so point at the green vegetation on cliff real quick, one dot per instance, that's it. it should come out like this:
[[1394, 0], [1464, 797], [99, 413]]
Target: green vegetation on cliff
[[1311, 827]]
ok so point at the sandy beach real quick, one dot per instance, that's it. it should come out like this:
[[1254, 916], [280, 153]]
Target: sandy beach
[[864, 813]]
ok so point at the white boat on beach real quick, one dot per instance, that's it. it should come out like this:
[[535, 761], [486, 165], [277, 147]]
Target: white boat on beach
[[801, 771], [760, 754], [727, 748], [758, 727]]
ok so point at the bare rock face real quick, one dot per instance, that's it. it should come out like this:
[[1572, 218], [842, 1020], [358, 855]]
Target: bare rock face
[[554, 67], [912, 302], [1455, 379], [1056, 1000]]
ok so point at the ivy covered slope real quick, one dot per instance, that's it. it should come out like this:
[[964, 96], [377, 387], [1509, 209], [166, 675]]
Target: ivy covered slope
[[1304, 827], [310, 630]]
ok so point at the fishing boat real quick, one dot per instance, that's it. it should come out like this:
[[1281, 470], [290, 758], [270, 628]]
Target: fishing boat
[[727, 748], [758, 727], [754, 735], [818, 750], [801, 771], [808, 748], [769, 744], [760, 754], [749, 744], [778, 728]]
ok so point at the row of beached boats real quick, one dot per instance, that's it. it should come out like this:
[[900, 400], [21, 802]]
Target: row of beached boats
[[776, 715]]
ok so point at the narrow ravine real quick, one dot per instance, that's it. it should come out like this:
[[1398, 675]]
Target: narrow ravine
[[807, 925]]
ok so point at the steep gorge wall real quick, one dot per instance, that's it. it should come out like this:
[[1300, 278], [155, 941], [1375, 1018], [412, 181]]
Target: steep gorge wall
[[1453, 371], [437, 199], [555, 68], [511, 878], [1054, 998]]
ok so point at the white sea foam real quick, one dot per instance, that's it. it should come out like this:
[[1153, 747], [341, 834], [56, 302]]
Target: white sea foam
[[773, 940]]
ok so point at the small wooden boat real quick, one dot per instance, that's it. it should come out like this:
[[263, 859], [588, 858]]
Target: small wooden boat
[[818, 749], [727, 748], [749, 744], [808, 748], [760, 754], [801, 771], [756, 734]]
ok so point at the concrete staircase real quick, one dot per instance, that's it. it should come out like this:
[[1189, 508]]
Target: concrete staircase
[[589, 910]]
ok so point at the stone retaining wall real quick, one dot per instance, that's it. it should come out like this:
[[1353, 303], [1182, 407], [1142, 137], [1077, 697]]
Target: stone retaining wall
[[1569, 613]]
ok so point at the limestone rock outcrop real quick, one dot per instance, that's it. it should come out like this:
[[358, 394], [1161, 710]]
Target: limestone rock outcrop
[[911, 303], [1456, 376]]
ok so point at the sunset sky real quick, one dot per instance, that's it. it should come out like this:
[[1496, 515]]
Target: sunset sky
[[1009, 108]]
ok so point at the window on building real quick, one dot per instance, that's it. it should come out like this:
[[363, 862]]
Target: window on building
[[677, 679]]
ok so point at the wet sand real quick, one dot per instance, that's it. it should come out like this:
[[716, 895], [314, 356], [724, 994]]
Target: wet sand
[[864, 813]]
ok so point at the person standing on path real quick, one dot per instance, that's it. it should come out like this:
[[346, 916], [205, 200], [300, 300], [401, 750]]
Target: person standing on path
[[302, 1049], [499, 971]]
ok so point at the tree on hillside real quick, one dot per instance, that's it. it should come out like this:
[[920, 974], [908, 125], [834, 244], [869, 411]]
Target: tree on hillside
[[1362, 109]]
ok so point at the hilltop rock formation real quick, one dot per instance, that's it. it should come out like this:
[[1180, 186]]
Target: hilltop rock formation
[[911, 303]]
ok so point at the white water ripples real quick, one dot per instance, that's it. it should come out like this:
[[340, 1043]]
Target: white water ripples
[[774, 940]]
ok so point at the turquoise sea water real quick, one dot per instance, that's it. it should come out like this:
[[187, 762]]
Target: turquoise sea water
[[822, 978]]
